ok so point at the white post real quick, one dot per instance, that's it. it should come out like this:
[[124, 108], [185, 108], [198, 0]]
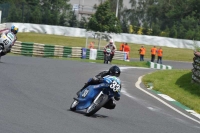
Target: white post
[[0, 15], [117, 8]]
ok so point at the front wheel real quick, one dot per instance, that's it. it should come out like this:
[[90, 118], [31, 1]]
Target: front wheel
[[94, 107], [73, 105], [107, 59]]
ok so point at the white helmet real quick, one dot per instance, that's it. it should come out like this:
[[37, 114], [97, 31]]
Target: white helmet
[[111, 41]]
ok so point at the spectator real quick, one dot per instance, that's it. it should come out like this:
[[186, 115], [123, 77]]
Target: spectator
[[142, 51], [127, 50], [91, 45], [153, 53], [121, 48], [160, 53]]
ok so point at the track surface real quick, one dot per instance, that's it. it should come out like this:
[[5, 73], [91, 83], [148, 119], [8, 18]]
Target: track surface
[[36, 93]]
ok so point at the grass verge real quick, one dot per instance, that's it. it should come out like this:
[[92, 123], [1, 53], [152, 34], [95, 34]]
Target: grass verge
[[116, 62], [176, 54], [178, 85]]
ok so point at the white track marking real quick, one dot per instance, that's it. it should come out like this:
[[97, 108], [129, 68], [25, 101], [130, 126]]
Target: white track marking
[[137, 84]]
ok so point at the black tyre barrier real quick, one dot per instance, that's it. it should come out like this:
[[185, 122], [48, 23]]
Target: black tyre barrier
[[196, 68]]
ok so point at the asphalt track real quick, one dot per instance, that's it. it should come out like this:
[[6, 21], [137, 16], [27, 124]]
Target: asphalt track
[[36, 93]]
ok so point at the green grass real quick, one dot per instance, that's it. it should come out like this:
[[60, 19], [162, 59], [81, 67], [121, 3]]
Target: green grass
[[175, 83], [178, 85], [176, 54], [116, 62]]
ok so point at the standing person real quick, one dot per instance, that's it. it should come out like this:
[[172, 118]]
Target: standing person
[[121, 48], [127, 50], [91, 45], [112, 47], [160, 53], [153, 53], [142, 53]]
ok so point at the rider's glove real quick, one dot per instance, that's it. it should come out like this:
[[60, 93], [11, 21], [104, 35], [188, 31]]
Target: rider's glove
[[101, 80], [117, 98]]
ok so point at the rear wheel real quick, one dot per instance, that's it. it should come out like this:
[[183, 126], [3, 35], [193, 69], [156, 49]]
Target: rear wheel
[[73, 105], [94, 107]]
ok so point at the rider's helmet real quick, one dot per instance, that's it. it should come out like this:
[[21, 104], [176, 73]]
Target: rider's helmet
[[114, 71], [14, 29], [111, 41]]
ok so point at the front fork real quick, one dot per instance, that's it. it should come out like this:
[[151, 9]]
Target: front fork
[[97, 97]]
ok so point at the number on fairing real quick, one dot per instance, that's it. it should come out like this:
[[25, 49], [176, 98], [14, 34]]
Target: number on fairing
[[6, 42], [85, 93], [115, 86]]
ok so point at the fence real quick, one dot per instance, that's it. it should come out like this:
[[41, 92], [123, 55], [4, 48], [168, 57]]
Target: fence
[[45, 50], [129, 38]]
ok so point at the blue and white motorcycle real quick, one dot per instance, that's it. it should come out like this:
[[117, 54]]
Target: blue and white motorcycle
[[94, 97]]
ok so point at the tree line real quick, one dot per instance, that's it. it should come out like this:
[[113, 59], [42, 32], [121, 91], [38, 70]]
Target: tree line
[[52, 12], [169, 18]]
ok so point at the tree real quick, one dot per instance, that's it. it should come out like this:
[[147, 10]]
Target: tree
[[104, 20], [14, 14]]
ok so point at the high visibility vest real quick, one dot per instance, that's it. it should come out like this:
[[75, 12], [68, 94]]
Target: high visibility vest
[[121, 47], [91, 45], [159, 52], [153, 51], [126, 48], [142, 51]]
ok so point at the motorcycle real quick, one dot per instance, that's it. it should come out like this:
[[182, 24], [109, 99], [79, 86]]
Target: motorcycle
[[107, 56], [6, 41], [94, 97]]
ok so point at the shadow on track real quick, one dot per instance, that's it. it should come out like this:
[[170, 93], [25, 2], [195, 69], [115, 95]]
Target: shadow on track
[[93, 116]]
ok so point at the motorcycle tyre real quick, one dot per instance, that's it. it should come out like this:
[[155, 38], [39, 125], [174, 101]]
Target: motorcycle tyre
[[98, 107], [107, 59]]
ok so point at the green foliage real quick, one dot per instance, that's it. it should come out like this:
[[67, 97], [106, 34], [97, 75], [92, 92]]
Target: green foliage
[[51, 12], [173, 18], [104, 20]]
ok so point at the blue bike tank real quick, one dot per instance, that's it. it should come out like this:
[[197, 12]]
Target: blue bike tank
[[88, 95]]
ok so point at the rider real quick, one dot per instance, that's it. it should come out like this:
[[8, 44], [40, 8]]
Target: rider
[[14, 31], [112, 47], [113, 71]]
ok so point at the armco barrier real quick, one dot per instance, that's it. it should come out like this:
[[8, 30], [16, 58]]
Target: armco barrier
[[196, 67], [46, 50], [2, 26], [158, 66]]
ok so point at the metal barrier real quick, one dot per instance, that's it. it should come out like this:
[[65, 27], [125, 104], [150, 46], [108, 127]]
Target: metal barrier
[[2, 26]]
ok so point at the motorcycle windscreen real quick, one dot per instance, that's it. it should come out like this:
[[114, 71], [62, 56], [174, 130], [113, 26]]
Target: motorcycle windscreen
[[87, 96]]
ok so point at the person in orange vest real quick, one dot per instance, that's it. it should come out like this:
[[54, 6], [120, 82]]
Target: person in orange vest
[[127, 50], [160, 53], [91, 45], [142, 51], [121, 48], [153, 53]]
